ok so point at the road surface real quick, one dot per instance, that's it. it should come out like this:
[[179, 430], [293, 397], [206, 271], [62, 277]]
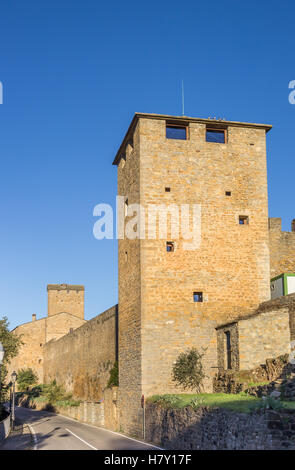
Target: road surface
[[55, 432]]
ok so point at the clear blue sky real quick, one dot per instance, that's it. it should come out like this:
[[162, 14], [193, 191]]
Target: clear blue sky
[[73, 74]]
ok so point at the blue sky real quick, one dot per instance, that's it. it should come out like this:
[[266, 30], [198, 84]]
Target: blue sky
[[74, 73]]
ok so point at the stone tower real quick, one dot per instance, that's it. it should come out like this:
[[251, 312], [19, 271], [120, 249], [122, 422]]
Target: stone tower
[[171, 298], [66, 298]]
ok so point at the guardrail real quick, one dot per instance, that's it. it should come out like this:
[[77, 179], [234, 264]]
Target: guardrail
[[4, 428]]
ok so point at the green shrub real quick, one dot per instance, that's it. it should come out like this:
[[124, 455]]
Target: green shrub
[[196, 402], [25, 379], [188, 371], [114, 376], [54, 392], [36, 391], [166, 400]]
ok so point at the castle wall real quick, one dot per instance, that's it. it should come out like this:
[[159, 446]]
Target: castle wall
[[35, 334], [66, 298], [60, 324], [282, 248], [81, 360]]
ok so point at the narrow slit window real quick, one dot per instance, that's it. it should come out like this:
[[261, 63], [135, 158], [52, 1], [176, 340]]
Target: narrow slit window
[[228, 350], [216, 135], [176, 132], [243, 220], [126, 207], [198, 296], [169, 247]]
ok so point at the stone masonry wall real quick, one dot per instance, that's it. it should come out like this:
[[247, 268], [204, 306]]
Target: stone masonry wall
[[66, 298], [219, 429], [282, 248], [35, 334], [157, 316], [86, 412], [81, 360], [262, 337], [231, 265], [264, 334], [130, 300]]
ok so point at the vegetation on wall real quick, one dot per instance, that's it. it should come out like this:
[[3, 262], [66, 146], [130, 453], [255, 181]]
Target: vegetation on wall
[[49, 394], [114, 376], [188, 371]]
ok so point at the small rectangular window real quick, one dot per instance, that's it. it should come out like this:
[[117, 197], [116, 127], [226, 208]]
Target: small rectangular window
[[216, 135], [176, 132], [198, 296], [169, 246], [243, 220], [167, 190], [228, 193]]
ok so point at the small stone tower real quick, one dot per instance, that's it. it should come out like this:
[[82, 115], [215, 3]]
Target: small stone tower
[[66, 298]]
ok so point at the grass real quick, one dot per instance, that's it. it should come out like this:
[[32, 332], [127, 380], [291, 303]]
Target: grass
[[290, 405], [240, 402], [257, 384]]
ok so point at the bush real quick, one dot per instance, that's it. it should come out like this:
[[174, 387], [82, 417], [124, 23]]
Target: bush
[[36, 391], [188, 371], [196, 402], [114, 376], [166, 400], [54, 392], [25, 379]]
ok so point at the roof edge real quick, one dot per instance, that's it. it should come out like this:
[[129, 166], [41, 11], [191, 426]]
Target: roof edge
[[137, 116]]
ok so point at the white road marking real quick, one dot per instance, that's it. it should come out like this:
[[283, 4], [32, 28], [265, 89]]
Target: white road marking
[[131, 438], [108, 430], [87, 443], [35, 440]]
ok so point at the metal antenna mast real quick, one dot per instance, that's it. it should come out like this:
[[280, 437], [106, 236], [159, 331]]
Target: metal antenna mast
[[182, 91]]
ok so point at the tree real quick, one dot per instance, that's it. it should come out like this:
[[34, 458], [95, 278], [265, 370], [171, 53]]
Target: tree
[[26, 378], [11, 344], [188, 370]]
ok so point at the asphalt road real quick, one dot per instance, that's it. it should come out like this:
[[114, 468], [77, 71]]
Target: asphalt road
[[55, 432]]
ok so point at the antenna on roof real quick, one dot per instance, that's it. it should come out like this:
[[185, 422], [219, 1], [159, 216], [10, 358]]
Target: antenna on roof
[[182, 92]]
